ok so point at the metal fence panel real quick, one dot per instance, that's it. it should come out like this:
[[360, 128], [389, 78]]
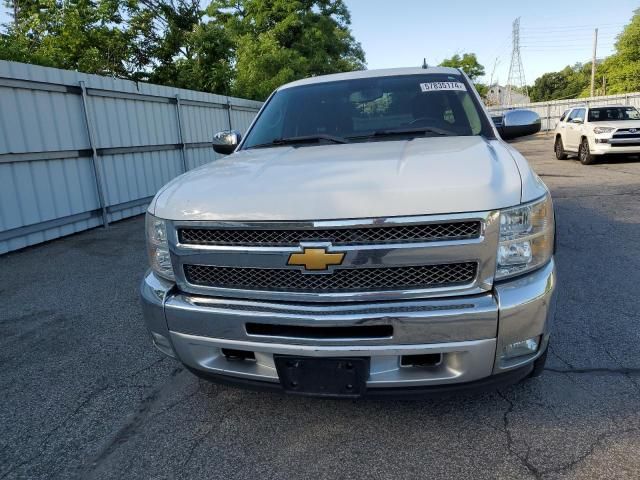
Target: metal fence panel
[[550, 112], [57, 163], [241, 119]]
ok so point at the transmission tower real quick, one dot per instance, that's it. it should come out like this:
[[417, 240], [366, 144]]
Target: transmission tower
[[516, 71]]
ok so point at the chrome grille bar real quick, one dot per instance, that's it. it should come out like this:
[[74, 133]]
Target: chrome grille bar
[[344, 280], [337, 236]]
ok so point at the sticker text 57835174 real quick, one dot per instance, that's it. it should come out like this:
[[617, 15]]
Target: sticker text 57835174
[[442, 86]]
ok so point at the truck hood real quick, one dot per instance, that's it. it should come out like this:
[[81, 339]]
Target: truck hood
[[435, 175]]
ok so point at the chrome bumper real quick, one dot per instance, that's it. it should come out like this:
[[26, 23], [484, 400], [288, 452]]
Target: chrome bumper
[[470, 332], [614, 145]]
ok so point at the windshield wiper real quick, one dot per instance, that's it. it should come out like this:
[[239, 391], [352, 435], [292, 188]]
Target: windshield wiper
[[406, 131], [305, 139]]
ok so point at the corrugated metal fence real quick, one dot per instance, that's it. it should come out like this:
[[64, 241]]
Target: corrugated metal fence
[[78, 151], [550, 112]]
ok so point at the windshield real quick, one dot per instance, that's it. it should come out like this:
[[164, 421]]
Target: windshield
[[370, 109], [607, 114]]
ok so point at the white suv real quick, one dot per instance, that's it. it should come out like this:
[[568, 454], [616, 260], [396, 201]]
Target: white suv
[[595, 131]]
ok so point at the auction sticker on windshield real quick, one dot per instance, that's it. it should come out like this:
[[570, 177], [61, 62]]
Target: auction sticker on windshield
[[442, 86]]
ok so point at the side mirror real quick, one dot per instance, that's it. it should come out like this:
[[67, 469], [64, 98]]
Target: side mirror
[[518, 123], [577, 120], [225, 142]]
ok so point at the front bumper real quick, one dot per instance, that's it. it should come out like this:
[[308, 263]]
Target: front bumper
[[470, 333], [614, 146]]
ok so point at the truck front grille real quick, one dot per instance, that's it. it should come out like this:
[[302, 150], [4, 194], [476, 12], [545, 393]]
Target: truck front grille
[[427, 232], [625, 133], [342, 280]]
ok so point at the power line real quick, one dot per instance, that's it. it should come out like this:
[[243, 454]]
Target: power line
[[551, 48], [562, 40], [575, 27]]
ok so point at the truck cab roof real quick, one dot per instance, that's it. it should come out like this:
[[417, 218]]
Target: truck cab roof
[[384, 72]]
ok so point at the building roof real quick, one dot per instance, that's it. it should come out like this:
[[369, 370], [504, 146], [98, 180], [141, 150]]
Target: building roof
[[386, 72]]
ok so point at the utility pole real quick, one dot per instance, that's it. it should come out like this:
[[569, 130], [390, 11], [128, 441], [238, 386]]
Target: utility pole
[[593, 63], [493, 98], [15, 14], [604, 86]]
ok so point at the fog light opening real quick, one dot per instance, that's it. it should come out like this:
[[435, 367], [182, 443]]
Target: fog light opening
[[425, 360], [521, 349], [163, 344], [238, 355]]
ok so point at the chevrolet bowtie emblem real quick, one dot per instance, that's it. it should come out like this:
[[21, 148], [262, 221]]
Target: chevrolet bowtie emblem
[[315, 259]]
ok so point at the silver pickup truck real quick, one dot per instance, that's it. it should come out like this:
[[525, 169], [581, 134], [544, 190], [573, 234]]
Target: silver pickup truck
[[371, 234]]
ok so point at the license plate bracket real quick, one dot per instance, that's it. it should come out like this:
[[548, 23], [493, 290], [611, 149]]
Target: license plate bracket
[[323, 377]]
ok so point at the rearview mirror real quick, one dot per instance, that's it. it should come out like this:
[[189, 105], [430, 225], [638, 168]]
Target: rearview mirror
[[517, 123], [225, 142], [577, 120]]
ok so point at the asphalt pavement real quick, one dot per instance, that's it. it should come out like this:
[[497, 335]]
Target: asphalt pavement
[[85, 395]]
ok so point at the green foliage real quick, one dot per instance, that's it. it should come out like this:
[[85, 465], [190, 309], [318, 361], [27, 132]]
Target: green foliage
[[467, 62], [482, 89], [567, 83], [244, 47], [191, 53], [277, 41], [82, 35], [622, 70]]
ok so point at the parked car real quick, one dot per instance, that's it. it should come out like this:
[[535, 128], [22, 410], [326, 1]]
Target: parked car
[[371, 234], [593, 132]]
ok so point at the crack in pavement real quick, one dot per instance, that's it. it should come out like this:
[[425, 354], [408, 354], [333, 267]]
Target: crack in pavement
[[88, 399], [200, 440], [597, 442], [180, 400], [524, 460], [537, 473], [130, 426], [50, 433]]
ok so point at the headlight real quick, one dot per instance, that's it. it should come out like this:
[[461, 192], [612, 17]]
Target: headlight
[[158, 247], [526, 238], [603, 129]]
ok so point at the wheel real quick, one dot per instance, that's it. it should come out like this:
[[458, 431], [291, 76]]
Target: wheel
[[559, 149], [584, 154], [538, 364]]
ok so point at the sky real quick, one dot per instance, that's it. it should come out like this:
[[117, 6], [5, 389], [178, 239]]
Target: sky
[[553, 34]]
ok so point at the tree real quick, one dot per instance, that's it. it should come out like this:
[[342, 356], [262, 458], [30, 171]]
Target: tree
[[82, 35], [244, 47], [187, 52], [468, 62], [547, 87], [622, 69], [482, 88], [277, 41], [570, 82]]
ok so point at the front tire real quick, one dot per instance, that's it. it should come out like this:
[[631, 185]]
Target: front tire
[[584, 154], [559, 149]]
